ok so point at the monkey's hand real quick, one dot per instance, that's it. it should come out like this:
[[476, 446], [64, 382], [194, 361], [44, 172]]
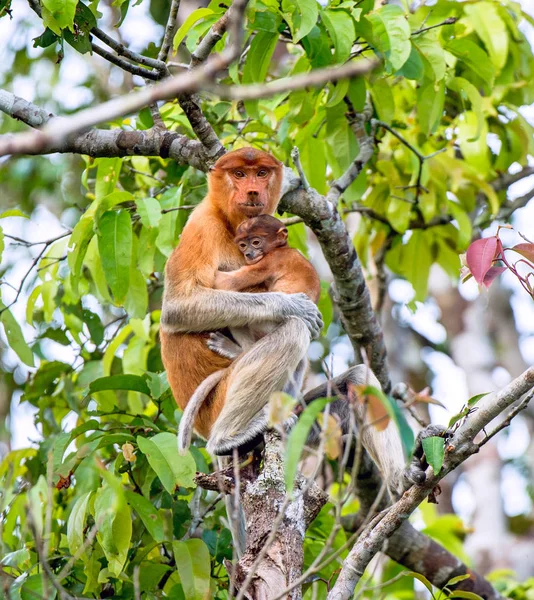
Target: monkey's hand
[[415, 472], [223, 346], [299, 305]]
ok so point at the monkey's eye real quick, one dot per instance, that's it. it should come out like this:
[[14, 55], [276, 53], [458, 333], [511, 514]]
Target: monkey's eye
[[263, 173], [239, 174], [242, 246], [256, 243]]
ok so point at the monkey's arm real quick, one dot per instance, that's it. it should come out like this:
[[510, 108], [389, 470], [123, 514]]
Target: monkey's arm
[[190, 304], [242, 279]]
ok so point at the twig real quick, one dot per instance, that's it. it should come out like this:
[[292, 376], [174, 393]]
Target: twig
[[520, 407], [295, 157], [170, 28], [46, 244], [420, 157], [449, 21]]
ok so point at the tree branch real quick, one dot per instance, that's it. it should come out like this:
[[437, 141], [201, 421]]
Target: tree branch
[[458, 449], [57, 130], [108, 142], [411, 548], [121, 50], [351, 292]]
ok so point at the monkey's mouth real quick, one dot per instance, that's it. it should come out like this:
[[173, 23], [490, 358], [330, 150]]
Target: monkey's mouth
[[252, 204], [253, 261]]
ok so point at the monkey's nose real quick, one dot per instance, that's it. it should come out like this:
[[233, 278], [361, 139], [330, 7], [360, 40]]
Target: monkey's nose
[[252, 195], [249, 255]]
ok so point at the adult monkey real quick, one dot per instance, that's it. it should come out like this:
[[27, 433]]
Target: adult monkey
[[243, 184]]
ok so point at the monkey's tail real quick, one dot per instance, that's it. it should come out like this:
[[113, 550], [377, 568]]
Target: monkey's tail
[[187, 423]]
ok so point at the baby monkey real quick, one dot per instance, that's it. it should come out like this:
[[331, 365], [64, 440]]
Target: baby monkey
[[272, 266]]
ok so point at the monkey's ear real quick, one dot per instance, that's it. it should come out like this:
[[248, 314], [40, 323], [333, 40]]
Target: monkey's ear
[[282, 233]]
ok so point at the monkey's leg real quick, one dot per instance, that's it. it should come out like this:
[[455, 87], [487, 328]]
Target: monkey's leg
[[294, 385], [253, 377], [385, 446], [223, 346], [193, 406]]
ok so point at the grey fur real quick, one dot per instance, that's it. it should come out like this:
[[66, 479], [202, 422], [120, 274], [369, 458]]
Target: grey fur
[[209, 310], [265, 368], [193, 406]]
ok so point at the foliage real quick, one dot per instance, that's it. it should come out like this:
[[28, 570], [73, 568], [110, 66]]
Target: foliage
[[486, 259], [110, 500]]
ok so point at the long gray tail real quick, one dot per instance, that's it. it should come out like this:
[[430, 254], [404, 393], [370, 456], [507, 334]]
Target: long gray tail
[[185, 430]]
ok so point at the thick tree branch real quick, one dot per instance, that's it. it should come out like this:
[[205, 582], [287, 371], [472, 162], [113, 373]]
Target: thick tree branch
[[37, 142], [108, 142], [458, 449], [351, 292], [411, 548]]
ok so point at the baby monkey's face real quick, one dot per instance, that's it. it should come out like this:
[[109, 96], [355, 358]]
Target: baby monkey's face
[[253, 248], [258, 236]]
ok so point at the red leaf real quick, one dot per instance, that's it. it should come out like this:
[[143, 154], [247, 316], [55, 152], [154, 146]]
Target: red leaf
[[526, 250], [480, 256], [491, 274]]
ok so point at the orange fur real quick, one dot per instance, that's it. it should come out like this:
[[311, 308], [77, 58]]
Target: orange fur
[[277, 267], [207, 245]]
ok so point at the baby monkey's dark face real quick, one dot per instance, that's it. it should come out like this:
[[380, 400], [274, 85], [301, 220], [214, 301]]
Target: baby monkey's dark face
[[258, 236]]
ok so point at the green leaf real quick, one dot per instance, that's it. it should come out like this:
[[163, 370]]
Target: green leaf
[[62, 11], [193, 18], [257, 63], [417, 260], [383, 100], [14, 212], [414, 67], [115, 530], [134, 383], [474, 57], [76, 523], [149, 515], [340, 27], [193, 564], [472, 401], [305, 17], [491, 29], [432, 56], [136, 302], [172, 469], [466, 595], [466, 89], [149, 210], [14, 336], [430, 102], [115, 248], [456, 580], [473, 142], [423, 580], [434, 448], [391, 35], [297, 439], [107, 176]]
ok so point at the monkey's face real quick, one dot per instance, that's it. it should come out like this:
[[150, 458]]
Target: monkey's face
[[253, 249], [247, 183], [258, 236]]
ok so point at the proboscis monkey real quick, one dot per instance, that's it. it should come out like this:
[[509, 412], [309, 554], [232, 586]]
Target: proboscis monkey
[[243, 184], [273, 266]]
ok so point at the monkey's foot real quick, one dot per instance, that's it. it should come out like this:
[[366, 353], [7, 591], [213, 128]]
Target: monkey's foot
[[223, 346], [415, 472]]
